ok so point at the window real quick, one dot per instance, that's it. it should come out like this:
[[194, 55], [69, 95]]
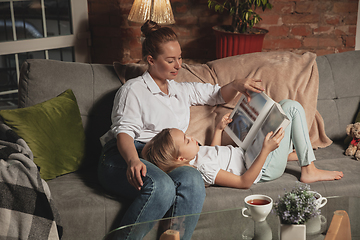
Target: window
[[39, 29]]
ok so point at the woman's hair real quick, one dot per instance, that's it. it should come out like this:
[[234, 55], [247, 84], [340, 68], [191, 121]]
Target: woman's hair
[[162, 151], [155, 37]]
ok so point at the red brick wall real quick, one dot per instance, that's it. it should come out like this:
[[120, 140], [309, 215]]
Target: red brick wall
[[319, 26]]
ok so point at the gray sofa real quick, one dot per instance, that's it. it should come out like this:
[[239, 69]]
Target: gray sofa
[[88, 212]]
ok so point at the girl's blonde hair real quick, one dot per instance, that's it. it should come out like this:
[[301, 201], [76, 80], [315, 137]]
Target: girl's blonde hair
[[162, 151]]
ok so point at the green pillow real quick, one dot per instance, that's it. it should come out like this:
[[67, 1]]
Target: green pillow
[[54, 132]]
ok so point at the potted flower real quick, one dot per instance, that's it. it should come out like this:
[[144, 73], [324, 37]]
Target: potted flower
[[294, 209], [241, 36]]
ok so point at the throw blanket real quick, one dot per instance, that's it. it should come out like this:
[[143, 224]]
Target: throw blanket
[[284, 75], [26, 208]]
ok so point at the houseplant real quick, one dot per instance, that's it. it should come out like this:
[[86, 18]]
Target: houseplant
[[294, 209], [241, 36]]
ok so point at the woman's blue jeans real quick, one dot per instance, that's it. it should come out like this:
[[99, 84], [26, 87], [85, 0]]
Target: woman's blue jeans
[[296, 135], [177, 193]]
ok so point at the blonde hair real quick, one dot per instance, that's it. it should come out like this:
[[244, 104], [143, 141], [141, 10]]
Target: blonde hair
[[162, 151], [155, 37]]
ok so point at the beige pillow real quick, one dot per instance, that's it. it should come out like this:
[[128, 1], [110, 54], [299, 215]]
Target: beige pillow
[[129, 70]]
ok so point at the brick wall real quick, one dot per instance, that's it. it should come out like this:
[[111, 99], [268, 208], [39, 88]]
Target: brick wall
[[319, 26]]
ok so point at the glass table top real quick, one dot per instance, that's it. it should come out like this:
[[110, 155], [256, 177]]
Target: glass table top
[[231, 224]]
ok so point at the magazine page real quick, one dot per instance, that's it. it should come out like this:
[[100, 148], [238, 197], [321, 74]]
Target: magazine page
[[247, 118], [275, 119]]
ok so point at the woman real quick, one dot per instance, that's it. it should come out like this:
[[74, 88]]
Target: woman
[[142, 108]]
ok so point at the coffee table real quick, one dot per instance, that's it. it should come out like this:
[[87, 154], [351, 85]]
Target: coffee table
[[230, 223]]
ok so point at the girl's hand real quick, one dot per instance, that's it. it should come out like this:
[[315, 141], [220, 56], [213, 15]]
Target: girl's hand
[[272, 143], [224, 122], [134, 173]]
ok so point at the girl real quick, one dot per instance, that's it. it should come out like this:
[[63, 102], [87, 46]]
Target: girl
[[224, 165], [144, 106]]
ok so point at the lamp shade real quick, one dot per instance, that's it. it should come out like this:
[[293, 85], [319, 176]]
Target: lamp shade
[[158, 11]]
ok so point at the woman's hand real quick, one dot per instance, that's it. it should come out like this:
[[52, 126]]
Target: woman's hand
[[224, 122], [248, 84], [272, 143], [230, 90], [134, 173], [136, 169]]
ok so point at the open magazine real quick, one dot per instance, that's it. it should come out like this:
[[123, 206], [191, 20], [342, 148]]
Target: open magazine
[[252, 121]]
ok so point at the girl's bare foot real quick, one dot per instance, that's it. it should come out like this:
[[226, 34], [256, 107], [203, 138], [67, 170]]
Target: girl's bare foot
[[310, 174], [293, 156]]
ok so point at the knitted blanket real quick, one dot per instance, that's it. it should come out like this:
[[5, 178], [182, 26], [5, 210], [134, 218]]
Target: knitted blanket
[[26, 208]]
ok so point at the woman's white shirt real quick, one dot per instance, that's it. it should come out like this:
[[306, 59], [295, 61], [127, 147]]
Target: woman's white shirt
[[142, 110]]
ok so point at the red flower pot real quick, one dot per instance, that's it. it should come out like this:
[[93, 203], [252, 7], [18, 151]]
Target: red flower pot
[[231, 44]]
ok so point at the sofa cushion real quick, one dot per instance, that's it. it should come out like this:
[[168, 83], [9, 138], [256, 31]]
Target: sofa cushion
[[339, 97], [54, 132]]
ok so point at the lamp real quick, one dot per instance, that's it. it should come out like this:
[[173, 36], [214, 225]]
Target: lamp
[[158, 11]]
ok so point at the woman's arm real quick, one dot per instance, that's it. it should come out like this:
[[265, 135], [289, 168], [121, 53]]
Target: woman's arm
[[136, 169], [230, 90], [227, 179]]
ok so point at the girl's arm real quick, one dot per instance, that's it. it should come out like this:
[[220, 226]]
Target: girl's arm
[[219, 129], [227, 179]]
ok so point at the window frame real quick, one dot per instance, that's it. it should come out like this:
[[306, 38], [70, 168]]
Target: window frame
[[80, 36], [80, 39]]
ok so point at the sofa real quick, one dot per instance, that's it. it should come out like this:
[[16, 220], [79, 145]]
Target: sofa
[[88, 212]]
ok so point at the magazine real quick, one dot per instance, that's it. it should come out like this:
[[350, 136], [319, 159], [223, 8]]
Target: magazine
[[252, 121]]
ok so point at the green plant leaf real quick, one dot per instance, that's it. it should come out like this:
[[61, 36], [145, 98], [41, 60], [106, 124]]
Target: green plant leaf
[[242, 11], [211, 4], [218, 8]]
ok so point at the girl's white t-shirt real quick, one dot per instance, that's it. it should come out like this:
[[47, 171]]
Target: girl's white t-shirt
[[210, 159]]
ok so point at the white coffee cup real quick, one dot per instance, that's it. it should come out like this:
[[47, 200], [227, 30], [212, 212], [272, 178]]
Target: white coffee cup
[[257, 207], [320, 200], [313, 225]]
